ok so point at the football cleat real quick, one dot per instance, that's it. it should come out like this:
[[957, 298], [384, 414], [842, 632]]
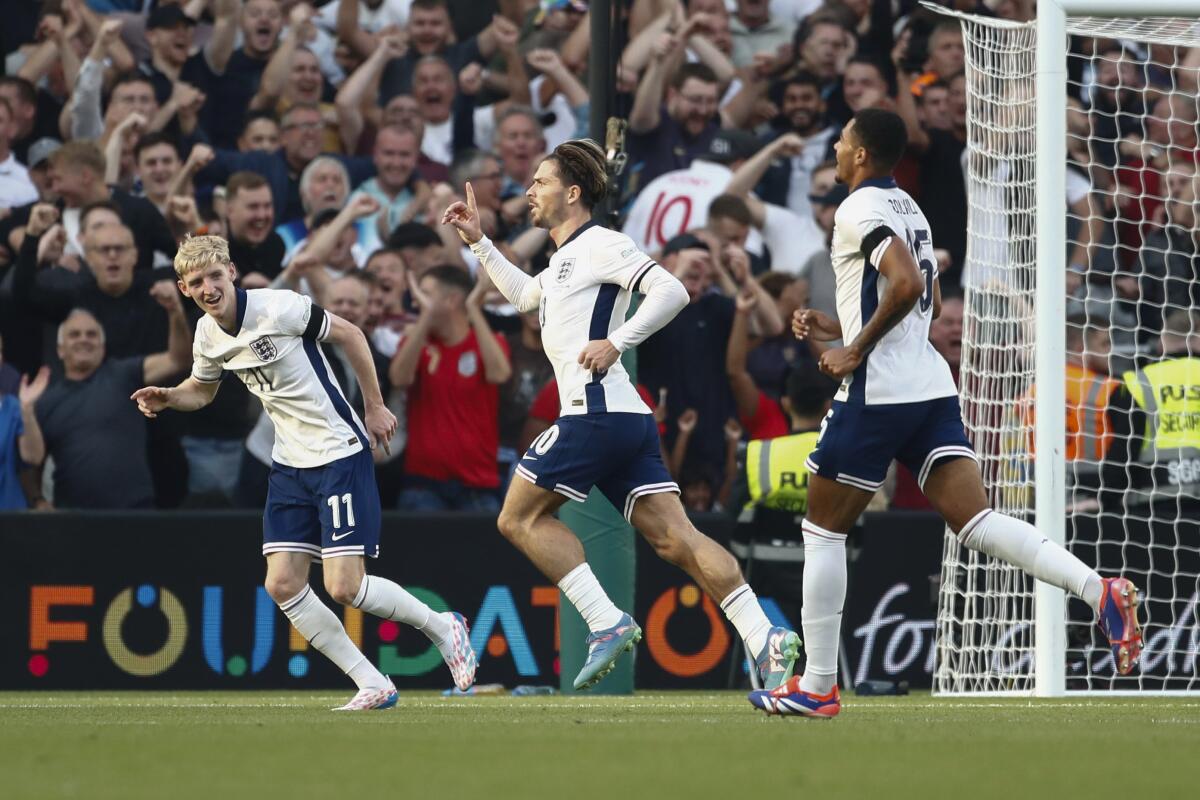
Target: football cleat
[[778, 657], [789, 700], [1118, 619], [604, 648], [372, 699], [461, 657]]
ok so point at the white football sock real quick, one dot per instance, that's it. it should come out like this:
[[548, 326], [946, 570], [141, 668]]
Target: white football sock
[[585, 593], [742, 609], [1019, 543], [824, 596], [390, 600], [324, 631]]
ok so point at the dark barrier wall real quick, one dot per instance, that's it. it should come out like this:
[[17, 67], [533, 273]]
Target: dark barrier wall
[[155, 601]]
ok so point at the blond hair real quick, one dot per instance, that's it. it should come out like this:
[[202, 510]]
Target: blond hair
[[198, 252]]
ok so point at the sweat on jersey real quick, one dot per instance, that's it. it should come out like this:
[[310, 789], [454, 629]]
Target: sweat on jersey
[[583, 296], [274, 351], [903, 367]]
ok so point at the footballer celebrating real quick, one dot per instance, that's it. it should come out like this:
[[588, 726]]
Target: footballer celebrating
[[322, 501], [898, 401], [605, 435]]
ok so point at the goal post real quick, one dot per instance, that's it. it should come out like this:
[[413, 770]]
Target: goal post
[[1000, 632]]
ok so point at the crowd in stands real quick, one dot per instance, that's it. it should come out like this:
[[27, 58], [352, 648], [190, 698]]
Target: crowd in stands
[[325, 142]]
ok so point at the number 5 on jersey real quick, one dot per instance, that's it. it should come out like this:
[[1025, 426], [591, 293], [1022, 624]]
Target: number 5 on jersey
[[922, 249]]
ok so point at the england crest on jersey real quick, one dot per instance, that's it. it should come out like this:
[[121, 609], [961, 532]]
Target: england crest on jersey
[[264, 348], [565, 268]]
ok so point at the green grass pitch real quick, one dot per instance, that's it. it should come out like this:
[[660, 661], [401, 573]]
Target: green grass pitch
[[226, 746]]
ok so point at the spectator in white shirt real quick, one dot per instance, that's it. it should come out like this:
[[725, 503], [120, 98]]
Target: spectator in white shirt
[[16, 189]]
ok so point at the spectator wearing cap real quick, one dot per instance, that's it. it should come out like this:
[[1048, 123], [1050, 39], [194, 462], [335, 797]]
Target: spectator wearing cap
[[169, 31], [666, 137], [39, 164], [678, 201], [16, 188], [802, 112], [756, 30]]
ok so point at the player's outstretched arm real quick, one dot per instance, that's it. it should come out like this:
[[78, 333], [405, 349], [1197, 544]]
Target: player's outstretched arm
[[191, 395], [904, 288]]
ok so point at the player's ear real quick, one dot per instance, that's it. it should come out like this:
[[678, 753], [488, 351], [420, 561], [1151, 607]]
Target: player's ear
[[182, 288]]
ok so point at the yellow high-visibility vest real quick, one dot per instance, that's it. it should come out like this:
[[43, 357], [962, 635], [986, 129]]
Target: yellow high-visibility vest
[[776, 474], [1169, 394]]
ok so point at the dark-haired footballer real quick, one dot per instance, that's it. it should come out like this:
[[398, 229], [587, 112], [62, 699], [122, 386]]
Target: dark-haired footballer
[[605, 435], [898, 401]]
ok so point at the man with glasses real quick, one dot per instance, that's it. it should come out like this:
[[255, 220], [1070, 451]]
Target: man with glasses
[[300, 142], [122, 298], [667, 137]]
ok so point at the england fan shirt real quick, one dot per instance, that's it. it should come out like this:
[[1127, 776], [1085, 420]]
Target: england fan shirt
[[903, 367], [274, 351], [585, 295]]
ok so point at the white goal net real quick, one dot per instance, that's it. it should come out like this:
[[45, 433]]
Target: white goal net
[[1132, 473]]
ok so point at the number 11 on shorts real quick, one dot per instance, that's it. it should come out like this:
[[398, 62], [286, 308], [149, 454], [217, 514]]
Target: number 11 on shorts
[[335, 507]]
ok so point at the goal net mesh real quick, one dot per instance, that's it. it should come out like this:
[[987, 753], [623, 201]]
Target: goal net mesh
[[1131, 205]]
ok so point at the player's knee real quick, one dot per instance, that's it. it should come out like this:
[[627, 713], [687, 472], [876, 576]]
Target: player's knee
[[283, 587], [343, 589], [512, 526]]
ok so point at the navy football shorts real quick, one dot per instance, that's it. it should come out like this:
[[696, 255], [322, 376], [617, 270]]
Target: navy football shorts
[[326, 511], [859, 442], [618, 453]]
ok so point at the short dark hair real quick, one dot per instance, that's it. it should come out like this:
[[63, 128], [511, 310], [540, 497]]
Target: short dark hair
[[883, 135], [254, 116], [243, 181], [582, 163], [126, 78], [807, 388], [412, 234], [451, 277], [801, 78], [25, 89], [697, 70], [153, 140], [730, 206], [87, 210]]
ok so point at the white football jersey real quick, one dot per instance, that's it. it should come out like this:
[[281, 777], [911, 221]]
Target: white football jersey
[[274, 351], [677, 202], [585, 295], [903, 367]]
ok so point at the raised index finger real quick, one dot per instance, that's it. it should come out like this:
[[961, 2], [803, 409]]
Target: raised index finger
[[470, 198]]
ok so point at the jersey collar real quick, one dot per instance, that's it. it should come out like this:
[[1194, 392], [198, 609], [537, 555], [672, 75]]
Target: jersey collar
[[879, 183], [240, 295], [591, 223]]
